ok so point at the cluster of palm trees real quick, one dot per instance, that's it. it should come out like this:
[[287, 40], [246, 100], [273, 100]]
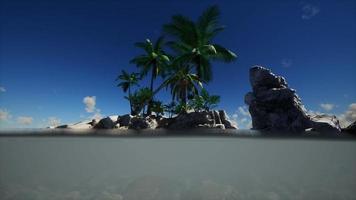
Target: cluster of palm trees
[[184, 71]]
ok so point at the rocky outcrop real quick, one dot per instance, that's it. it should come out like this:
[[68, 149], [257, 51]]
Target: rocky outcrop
[[211, 119], [351, 128], [325, 123], [226, 121], [124, 120], [105, 123], [143, 123], [276, 107]]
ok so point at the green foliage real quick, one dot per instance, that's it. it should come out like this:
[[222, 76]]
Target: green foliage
[[181, 108], [154, 59], [185, 72], [193, 43], [170, 108], [158, 107], [127, 80], [204, 101], [139, 99], [182, 83]]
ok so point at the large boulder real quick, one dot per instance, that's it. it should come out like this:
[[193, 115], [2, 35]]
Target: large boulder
[[105, 123], [276, 107], [143, 123], [192, 120], [124, 120]]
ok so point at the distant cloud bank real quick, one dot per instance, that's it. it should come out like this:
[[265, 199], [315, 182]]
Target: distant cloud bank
[[349, 116], [4, 115], [24, 120], [242, 117]]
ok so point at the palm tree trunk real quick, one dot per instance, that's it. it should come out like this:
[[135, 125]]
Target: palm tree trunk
[[184, 98], [149, 106], [131, 111]]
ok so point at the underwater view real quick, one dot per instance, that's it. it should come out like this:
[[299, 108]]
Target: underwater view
[[176, 168]]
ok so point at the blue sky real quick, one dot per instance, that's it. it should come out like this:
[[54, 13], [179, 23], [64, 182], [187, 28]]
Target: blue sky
[[55, 53]]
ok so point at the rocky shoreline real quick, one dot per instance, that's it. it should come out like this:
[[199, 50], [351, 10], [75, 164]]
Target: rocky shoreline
[[273, 105], [217, 119]]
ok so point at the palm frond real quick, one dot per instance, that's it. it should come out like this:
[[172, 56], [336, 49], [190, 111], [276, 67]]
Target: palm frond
[[208, 21], [159, 43], [179, 47], [223, 54], [182, 28]]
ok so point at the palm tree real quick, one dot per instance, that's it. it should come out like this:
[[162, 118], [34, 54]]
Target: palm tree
[[139, 100], [183, 84], [127, 81], [154, 60], [194, 41]]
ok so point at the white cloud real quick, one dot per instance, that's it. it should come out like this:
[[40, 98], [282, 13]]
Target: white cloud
[[24, 120], [244, 111], [309, 11], [53, 121], [89, 102], [286, 63], [242, 117], [349, 116], [2, 89], [4, 115], [327, 106]]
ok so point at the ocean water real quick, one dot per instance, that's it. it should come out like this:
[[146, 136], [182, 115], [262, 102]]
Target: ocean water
[[176, 168]]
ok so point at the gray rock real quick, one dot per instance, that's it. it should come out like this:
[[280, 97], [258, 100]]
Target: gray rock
[[164, 122], [192, 120], [216, 116], [105, 123], [220, 126], [276, 107], [143, 123], [351, 128], [93, 122], [325, 123], [211, 119], [62, 126], [226, 121], [124, 120]]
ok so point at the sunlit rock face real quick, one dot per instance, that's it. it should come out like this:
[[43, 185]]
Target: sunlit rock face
[[276, 107]]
